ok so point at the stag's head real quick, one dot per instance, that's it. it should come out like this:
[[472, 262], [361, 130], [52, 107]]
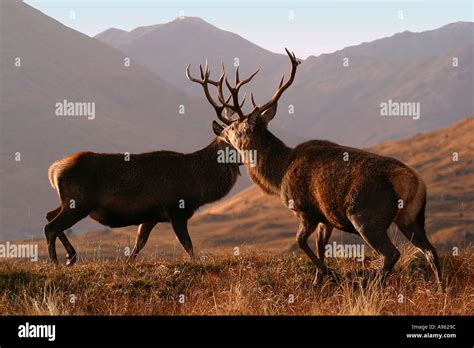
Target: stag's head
[[239, 131]]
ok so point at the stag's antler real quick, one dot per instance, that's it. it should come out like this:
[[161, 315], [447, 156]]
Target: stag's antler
[[205, 80], [282, 87], [234, 90]]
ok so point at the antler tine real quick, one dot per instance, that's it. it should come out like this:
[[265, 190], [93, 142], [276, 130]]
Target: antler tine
[[237, 78], [247, 80], [190, 78], [220, 92], [234, 91], [253, 100], [200, 70], [243, 101], [283, 86], [281, 82]]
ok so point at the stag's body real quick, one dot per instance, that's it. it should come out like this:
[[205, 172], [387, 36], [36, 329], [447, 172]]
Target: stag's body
[[327, 185], [142, 189]]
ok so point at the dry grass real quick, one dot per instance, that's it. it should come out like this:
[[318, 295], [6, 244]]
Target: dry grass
[[252, 285]]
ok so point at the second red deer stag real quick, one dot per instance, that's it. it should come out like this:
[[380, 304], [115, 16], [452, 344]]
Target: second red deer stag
[[328, 186], [144, 189]]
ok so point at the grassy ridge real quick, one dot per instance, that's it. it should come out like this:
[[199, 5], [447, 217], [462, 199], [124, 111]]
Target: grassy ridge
[[252, 284]]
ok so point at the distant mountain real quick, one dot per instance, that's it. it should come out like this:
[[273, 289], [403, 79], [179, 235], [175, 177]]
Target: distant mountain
[[118, 37], [330, 100], [167, 49]]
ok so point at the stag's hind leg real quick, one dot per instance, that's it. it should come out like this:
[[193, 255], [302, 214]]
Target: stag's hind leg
[[142, 237], [323, 233], [416, 234], [374, 232], [66, 218], [70, 251]]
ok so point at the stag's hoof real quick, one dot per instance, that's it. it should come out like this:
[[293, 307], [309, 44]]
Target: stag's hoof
[[71, 260]]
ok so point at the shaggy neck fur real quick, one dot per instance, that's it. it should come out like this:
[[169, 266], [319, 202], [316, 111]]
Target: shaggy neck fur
[[272, 160]]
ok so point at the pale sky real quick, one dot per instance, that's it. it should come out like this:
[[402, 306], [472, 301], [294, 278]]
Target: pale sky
[[309, 27]]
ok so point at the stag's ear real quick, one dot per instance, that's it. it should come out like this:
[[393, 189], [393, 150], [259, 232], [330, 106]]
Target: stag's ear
[[268, 114], [253, 117], [217, 128]]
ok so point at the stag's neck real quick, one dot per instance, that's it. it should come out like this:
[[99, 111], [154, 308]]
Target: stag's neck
[[271, 163], [215, 179]]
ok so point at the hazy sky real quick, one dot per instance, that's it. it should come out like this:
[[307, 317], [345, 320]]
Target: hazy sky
[[308, 27]]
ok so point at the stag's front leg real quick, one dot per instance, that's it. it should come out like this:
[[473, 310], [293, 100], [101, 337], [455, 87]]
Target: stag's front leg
[[323, 233], [180, 226], [307, 227]]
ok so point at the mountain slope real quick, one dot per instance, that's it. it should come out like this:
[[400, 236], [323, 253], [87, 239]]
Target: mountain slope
[[407, 44], [327, 96], [352, 95], [167, 49]]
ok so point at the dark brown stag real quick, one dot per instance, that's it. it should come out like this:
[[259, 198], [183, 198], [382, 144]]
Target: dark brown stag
[[328, 186], [142, 189]]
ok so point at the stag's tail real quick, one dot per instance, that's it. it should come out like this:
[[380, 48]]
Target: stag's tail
[[54, 172], [51, 175]]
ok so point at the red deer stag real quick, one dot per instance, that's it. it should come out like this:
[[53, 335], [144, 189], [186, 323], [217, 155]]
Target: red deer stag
[[146, 189], [362, 195]]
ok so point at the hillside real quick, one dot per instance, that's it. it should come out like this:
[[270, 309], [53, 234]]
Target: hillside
[[251, 220], [135, 111]]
